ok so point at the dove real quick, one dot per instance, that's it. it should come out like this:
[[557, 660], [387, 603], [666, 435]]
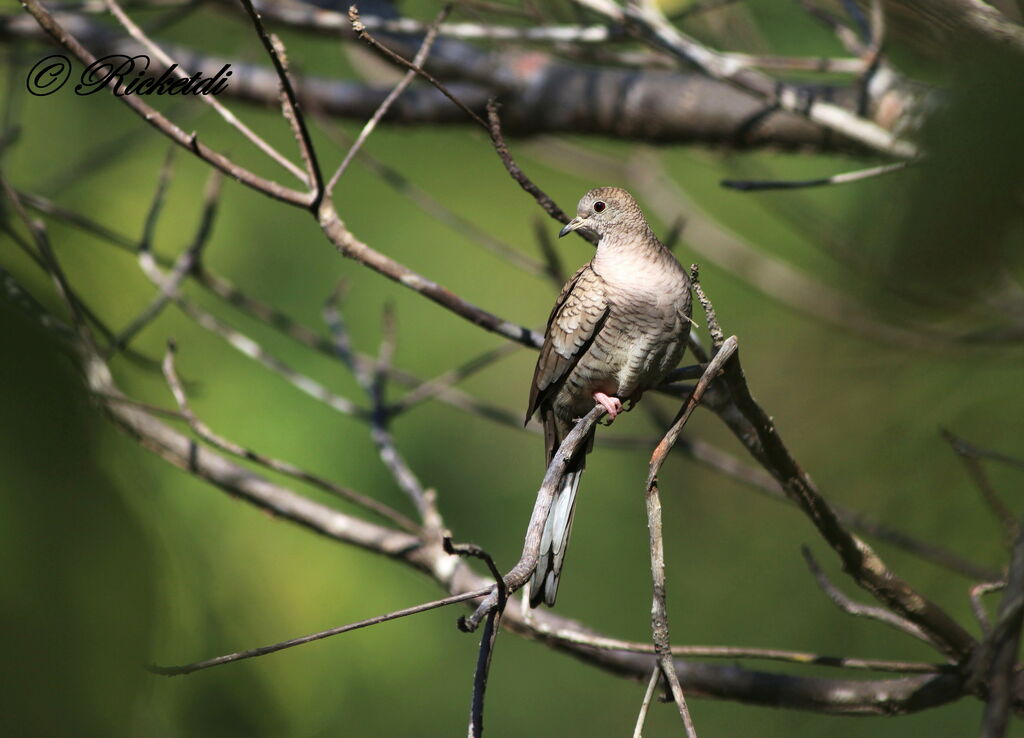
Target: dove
[[618, 327]]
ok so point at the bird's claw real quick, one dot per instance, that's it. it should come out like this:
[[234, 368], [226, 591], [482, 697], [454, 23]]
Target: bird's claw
[[612, 405]]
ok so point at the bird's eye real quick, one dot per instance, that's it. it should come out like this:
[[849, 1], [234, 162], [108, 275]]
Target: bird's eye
[[598, 206]]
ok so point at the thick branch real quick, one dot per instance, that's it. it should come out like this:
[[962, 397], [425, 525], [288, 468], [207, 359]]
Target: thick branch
[[539, 94]]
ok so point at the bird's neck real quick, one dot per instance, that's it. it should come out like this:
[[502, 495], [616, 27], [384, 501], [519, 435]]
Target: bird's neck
[[633, 250]]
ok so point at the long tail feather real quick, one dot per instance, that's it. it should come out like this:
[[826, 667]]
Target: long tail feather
[[555, 538]]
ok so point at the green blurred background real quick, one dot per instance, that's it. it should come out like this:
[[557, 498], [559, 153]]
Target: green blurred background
[[112, 559]]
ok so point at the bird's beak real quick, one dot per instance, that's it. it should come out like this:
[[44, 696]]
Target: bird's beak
[[571, 226]]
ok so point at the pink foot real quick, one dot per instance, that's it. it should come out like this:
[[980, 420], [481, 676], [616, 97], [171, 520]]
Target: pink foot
[[612, 404]]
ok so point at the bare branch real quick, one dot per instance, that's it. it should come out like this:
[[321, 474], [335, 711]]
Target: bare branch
[[859, 560], [169, 288], [283, 467], [373, 384], [487, 639], [570, 635], [964, 447], [638, 731], [166, 127], [139, 35], [407, 78], [549, 206], [350, 246], [996, 659], [988, 492], [855, 608], [659, 610], [714, 329], [975, 593], [360, 29], [518, 575], [835, 179], [658, 31], [252, 349], [302, 640], [275, 50]]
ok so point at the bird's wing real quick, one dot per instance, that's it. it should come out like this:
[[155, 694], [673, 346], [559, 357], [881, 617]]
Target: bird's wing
[[575, 321]]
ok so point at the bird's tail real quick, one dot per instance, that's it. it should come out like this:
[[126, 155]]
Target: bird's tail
[[555, 538]]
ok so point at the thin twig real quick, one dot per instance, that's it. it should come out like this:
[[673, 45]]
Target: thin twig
[[275, 50], [999, 509], [964, 447], [996, 660], [282, 467], [489, 636], [187, 141], [659, 610], [641, 718], [348, 245], [975, 594], [182, 267], [291, 642], [542, 198], [52, 266], [835, 179], [360, 29], [571, 635], [87, 312], [431, 388], [156, 205], [858, 609], [430, 204], [714, 329], [554, 267], [373, 384], [254, 350], [382, 109], [139, 35]]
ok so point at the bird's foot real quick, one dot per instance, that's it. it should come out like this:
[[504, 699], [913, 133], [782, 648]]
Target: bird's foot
[[632, 401], [613, 405]]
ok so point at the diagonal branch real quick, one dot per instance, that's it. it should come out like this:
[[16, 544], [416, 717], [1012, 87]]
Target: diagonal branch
[[302, 640], [139, 35], [275, 50], [850, 607], [380, 112], [553, 476], [282, 467], [659, 610], [187, 141]]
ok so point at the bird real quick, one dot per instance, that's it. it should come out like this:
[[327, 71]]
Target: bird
[[618, 327]]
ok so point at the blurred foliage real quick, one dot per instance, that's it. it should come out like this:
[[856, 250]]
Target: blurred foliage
[[112, 559]]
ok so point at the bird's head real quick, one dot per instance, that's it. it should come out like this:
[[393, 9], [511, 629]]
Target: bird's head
[[604, 210]]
